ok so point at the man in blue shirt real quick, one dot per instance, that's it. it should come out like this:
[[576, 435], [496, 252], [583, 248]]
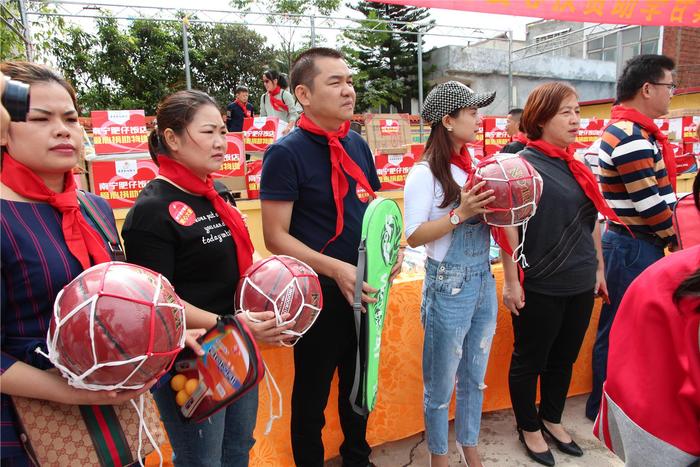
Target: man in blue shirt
[[315, 187], [239, 109]]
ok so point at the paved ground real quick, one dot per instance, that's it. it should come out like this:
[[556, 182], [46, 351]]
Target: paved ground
[[499, 445]]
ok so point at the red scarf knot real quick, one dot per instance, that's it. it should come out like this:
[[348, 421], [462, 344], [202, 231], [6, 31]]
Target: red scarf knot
[[185, 178], [341, 164], [83, 241], [277, 104], [581, 173]]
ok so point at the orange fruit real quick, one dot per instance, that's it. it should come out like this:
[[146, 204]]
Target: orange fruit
[[191, 386], [178, 382], [181, 397]]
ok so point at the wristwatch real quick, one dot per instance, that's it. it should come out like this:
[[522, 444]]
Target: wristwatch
[[454, 218]]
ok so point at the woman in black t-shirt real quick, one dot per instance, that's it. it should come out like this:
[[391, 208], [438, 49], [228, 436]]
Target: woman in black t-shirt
[[552, 309], [181, 227]]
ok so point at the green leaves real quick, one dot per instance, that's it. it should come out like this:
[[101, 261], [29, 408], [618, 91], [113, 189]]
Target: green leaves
[[134, 66], [383, 49]]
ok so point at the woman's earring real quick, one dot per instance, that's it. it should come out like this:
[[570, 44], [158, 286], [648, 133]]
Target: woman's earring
[[449, 129]]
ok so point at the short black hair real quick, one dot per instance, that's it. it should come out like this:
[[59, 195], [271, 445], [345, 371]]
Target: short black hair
[[241, 89], [515, 111], [640, 70], [272, 75], [304, 68]]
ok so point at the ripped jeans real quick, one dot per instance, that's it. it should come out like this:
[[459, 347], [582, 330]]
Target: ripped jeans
[[458, 313]]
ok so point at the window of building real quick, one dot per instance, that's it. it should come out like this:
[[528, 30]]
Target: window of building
[[623, 44]]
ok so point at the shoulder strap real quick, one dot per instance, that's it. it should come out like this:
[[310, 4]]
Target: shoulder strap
[[102, 224]]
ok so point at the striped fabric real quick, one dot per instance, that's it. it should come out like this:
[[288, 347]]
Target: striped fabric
[[633, 180], [36, 264]]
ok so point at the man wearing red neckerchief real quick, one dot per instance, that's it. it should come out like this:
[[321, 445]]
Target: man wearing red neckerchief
[[239, 109], [637, 179], [315, 187]]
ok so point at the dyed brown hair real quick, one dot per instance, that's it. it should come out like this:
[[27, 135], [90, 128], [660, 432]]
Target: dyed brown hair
[[175, 111], [542, 105], [34, 73], [438, 152]]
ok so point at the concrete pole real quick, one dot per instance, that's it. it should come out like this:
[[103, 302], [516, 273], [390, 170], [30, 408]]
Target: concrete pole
[[185, 24], [313, 30], [420, 82], [25, 31], [511, 104]]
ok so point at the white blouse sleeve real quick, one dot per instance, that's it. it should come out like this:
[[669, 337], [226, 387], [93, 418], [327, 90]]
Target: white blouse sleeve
[[419, 197]]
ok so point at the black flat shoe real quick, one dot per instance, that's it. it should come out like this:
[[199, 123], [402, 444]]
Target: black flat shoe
[[571, 448], [544, 458]]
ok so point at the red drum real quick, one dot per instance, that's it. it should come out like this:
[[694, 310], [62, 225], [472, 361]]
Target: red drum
[[116, 326], [281, 284], [517, 187]]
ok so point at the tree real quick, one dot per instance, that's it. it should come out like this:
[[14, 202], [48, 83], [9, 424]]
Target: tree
[[224, 56], [43, 30], [116, 69], [386, 58], [135, 67], [292, 7]]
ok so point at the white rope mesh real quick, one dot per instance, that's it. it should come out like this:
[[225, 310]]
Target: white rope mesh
[[528, 206], [293, 282], [80, 380]]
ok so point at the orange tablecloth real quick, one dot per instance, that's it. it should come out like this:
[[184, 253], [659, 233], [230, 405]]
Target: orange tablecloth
[[399, 412]]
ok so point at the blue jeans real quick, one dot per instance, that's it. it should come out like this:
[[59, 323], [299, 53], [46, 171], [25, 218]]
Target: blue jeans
[[458, 313], [625, 259], [225, 439]]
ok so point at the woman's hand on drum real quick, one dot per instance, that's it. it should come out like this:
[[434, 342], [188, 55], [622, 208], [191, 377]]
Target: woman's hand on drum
[[513, 297], [263, 326], [473, 202], [87, 397]]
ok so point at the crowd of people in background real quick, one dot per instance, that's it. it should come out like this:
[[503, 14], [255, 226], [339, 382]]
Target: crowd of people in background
[[315, 186]]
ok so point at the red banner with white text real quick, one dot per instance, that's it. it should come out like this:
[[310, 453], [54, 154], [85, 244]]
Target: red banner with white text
[[642, 12]]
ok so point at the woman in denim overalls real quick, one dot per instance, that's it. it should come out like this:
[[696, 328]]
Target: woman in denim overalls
[[459, 305]]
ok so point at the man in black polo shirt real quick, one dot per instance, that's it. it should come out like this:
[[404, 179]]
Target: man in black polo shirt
[[239, 109], [315, 187]]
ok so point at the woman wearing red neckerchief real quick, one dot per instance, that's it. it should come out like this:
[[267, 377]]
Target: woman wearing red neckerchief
[[46, 241], [459, 304], [183, 228], [277, 101], [551, 310]]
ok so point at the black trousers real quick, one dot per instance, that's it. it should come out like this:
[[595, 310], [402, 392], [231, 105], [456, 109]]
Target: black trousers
[[548, 336], [329, 344]]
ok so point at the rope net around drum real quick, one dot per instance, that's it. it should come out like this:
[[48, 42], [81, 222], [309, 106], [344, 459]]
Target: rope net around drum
[[533, 179], [79, 380], [293, 282]]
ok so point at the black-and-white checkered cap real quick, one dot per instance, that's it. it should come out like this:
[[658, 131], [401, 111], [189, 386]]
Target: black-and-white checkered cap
[[447, 97]]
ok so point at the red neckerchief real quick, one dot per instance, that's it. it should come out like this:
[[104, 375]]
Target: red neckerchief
[[463, 160], [341, 164], [620, 112], [182, 176], [277, 104], [84, 242], [521, 138], [244, 107], [581, 173]]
